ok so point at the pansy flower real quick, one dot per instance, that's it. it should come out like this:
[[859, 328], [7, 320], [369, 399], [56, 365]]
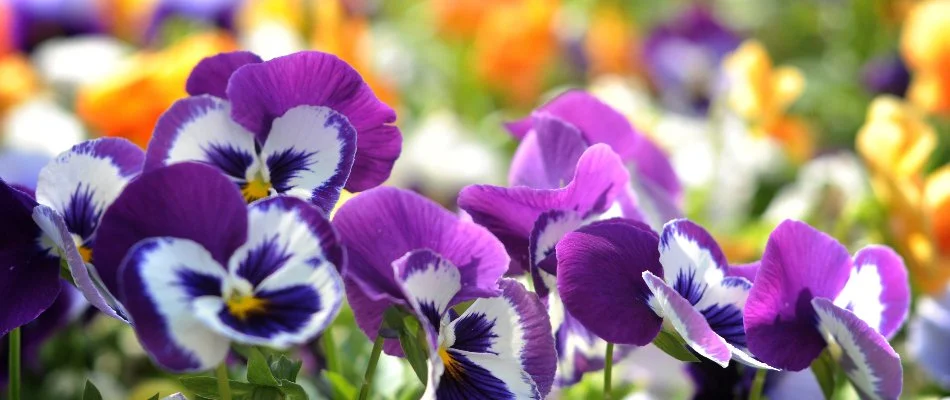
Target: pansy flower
[[60, 225], [654, 180], [928, 341], [380, 227], [680, 277], [531, 220], [407, 251], [196, 268], [809, 294], [304, 125]]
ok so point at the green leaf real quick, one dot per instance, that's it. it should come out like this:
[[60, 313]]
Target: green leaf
[[284, 368], [91, 392], [154, 397], [292, 391], [671, 343], [258, 370], [342, 388], [207, 387], [824, 369], [411, 338]]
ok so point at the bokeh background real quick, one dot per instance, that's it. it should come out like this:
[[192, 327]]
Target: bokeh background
[[764, 106]]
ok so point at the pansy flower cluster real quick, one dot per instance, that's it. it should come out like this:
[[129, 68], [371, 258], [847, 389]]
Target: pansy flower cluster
[[217, 237]]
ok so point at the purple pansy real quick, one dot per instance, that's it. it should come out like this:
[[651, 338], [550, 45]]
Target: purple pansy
[[61, 224], [683, 58], [407, 251], [305, 125], [33, 21], [200, 269], [546, 147], [384, 225], [680, 278], [571, 185], [217, 13], [886, 75], [810, 294]]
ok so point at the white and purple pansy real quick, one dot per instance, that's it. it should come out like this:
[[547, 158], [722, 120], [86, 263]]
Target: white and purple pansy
[[679, 278], [809, 295], [72, 193], [659, 192], [304, 125], [200, 269], [695, 270], [384, 228], [498, 348]]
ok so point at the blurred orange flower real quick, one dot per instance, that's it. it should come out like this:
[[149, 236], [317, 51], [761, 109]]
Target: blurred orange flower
[[896, 143], [611, 42], [462, 18], [761, 93], [513, 46], [925, 45], [23, 86], [129, 103]]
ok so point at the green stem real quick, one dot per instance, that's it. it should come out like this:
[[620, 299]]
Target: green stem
[[371, 367], [224, 388], [757, 384], [14, 372], [608, 367], [329, 351]]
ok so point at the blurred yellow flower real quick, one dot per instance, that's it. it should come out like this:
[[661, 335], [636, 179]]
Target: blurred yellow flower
[[513, 46], [23, 86], [896, 143], [611, 42], [925, 45], [761, 93], [129, 103]]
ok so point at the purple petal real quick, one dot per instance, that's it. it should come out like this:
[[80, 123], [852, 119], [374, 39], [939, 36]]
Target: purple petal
[[161, 279], [200, 129], [83, 275], [211, 75], [309, 154], [81, 182], [382, 225], [747, 271], [185, 200], [501, 335], [510, 213], [687, 321], [599, 280], [546, 157], [260, 93], [873, 367], [29, 277], [599, 123], [878, 291], [799, 263]]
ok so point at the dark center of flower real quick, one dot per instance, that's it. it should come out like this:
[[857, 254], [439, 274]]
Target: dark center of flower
[[451, 365], [86, 254]]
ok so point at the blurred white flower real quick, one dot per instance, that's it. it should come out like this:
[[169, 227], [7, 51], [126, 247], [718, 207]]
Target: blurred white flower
[[41, 125]]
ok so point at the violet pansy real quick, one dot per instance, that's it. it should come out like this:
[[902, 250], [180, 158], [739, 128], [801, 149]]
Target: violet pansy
[[197, 269], [408, 252], [304, 125], [60, 226], [809, 295], [658, 190]]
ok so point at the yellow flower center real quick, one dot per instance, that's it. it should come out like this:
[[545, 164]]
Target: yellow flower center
[[451, 365], [242, 306], [256, 188], [86, 254]]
